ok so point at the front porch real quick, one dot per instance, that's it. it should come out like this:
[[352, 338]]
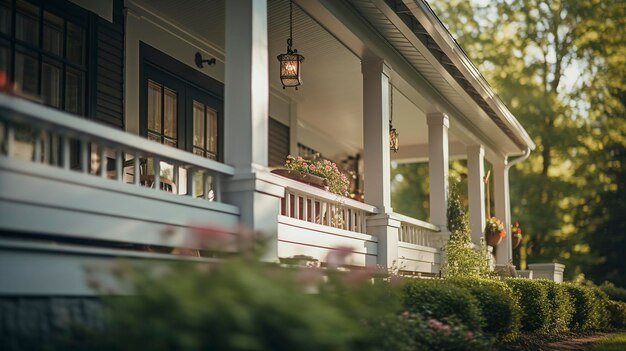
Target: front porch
[[79, 185]]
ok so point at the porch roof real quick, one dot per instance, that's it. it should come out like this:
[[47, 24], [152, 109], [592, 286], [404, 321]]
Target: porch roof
[[414, 30]]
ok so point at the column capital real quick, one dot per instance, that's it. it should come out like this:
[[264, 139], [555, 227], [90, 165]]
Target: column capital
[[437, 119], [376, 65], [476, 150]]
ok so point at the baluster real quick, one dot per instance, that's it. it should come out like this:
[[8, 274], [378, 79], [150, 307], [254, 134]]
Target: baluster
[[46, 140], [103, 161], [205, 185], [296, 206], [305, 208], [328, 214], [65, 149], [157, 173], [84, 156], [119, 161], [287, 203], [175, 179], [10, 140], [136, 171], [38, 147], [217, 187]]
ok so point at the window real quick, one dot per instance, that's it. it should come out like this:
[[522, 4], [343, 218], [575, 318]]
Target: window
[[44, 52], [278, 143]]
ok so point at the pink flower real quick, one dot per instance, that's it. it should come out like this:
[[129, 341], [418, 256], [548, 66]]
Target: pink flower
[[445, 330], [327, 167], [435, 324], [300, 158], [312, 167], [305, 165], [470, 335], [406, 314]]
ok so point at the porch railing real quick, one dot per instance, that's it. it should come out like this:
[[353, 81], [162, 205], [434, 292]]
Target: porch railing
[[42, 135], [313, 205], [414, 231]]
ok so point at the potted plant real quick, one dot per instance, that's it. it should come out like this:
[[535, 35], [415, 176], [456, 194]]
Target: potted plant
[[494, 231], [516, 234], [321, 173]]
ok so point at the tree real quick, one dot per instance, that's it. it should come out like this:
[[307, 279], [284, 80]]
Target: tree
[[560, 66]]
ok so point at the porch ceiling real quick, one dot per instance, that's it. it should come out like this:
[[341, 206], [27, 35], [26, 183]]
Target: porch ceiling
[[330, 100]]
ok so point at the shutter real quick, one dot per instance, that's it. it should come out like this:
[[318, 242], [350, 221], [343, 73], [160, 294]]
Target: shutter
[[110, 73], [278, 143]]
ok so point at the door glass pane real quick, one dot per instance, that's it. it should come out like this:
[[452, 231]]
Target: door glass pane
[[26, 72], [27, 22], [5, 16], [75, 43], [212, 131], [169, 113], [74, 91], [198, 125], [51, 84], [154, 106], [53, 33]]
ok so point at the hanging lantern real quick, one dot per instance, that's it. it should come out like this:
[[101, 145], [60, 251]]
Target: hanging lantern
[[291, 62], [394, 143]]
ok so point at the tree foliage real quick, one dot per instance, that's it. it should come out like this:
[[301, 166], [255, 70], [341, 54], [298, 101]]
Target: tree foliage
[[560, 67]]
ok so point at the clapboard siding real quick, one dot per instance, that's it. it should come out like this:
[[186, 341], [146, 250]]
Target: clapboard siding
[[278, 143], [110, 73]]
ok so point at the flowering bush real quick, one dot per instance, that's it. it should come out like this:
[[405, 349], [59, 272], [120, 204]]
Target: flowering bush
[[495, 226], [336, 181], [516, 230]]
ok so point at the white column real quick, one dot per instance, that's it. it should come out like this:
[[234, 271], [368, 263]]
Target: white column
[[438, 125], [376, 157], [476, 190], [247, 85], [252, 189], [504, 251]]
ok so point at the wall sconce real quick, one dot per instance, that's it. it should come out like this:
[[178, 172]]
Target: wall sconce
[[200, 61], [290, 62]]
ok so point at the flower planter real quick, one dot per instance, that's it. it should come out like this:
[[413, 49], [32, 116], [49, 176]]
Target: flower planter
[[517, 239], [493, 239], [309, 179]]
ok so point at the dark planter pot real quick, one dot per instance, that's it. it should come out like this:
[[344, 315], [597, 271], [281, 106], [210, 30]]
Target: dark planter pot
[[309, 179], [493, 239], [517, 239]]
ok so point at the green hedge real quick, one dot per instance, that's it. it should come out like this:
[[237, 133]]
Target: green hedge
[[561, 307], [589, 306], [617, 311], [499, 306], [533, 298], [442, 299], [614, 293]]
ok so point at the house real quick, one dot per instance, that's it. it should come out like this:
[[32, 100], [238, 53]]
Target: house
[[136, 120]]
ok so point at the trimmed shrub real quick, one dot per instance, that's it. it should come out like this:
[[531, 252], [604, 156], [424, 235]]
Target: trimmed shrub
[[587, 308], [561, 307], [614, 293], [602, 305], [499, 306], [441, 299], [409, 332], [617, 311], [533, 298]]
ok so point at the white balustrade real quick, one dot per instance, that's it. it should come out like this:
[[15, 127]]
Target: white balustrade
[[414, 231], [42, 135]]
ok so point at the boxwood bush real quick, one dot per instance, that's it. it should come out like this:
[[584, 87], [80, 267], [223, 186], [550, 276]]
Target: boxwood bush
[[443, 300], [617, 311], [533, 298], [561, 307], [615, 293], [587, 307], [499, 306]]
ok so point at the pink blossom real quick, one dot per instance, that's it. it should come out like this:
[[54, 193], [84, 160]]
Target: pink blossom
[[300, 158], [435, 324], [327, 167], [305, 165], [445, 330], [470, 335], [406, 314], [312, 167]]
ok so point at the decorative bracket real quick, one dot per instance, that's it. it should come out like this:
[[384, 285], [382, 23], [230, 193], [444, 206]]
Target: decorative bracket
[[200, 61]]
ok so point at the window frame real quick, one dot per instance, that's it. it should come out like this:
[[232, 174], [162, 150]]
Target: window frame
[[196, 86], [68, 13]]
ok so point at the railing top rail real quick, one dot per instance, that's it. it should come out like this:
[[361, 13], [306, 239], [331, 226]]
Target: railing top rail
[[19, 110], [295, 186], [416, 222]]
